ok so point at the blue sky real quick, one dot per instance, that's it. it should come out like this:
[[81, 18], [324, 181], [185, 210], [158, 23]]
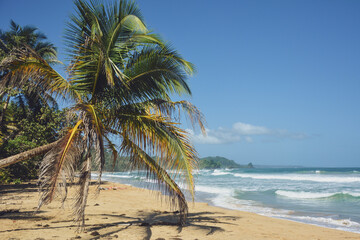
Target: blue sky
[[278, 81]]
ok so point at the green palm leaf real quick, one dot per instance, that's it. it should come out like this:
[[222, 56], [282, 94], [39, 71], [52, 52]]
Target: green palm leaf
[[24, 63], [159, 136]]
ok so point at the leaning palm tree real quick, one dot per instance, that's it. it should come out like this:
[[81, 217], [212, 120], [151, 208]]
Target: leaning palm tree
[[121, 80]]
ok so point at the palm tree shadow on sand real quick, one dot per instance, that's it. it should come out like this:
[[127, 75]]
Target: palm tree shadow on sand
[[120, 222], [208, 222], [148, 220]]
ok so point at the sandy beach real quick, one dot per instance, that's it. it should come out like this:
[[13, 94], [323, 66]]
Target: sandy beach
[[126, 212]]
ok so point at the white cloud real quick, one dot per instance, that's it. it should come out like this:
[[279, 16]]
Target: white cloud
[[218, 136], [247, 129], [241, 132]]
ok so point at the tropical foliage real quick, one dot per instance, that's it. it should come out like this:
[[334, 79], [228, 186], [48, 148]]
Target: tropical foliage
[[13, 42], [220, 162], [123, 164], [29, 116], [121, 81], [32, 130]]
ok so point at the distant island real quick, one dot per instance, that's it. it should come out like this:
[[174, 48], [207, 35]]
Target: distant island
[[124, 163], [220, 162]]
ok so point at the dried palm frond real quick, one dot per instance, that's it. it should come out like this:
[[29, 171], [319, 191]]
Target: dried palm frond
[[94, 134], [59, 163], [82, 193], [140, 159]]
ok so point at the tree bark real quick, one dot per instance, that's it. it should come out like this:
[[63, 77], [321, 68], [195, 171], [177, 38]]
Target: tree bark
[[26, 155]]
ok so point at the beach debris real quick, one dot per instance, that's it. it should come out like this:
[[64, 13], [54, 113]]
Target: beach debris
[[96, 204], [95, 233]]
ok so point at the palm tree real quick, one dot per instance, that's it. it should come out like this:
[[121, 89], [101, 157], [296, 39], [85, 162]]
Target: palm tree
[[33, 95], [121, 80]]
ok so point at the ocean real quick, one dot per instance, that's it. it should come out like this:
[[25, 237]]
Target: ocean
[[328, 197]]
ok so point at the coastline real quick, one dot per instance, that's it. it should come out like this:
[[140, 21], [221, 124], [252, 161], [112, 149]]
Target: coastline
[[127, 212], [291, 199]]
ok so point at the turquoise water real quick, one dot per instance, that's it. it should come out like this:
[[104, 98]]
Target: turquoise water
[[327, 197]]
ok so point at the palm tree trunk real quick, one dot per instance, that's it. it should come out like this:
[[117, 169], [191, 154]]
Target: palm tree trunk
[[26, 155]]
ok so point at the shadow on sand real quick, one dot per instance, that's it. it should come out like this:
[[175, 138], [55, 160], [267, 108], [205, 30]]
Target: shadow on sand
[[115, 223], [200, 220]]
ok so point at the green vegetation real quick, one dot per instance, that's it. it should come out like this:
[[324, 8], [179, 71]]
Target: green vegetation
[[124, 163], [121, 82], [121, 164], [220, 162], [31, 129], [29, 116]]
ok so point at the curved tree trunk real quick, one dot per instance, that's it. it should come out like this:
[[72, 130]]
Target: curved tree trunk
[[26, 155]]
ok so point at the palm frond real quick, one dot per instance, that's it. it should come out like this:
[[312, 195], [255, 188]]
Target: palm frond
[[24, 64], [59, 163], [112, 147], [82, 193], [93, 31], [161, 137], [94, 132], [172, 110], [168, 186], [156, 71]]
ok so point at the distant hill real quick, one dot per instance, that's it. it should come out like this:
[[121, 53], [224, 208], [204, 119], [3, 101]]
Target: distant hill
[[123, 163], [220, 162]]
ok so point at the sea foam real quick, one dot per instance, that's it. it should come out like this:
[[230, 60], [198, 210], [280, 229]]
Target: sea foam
[[343, 224], [118, 176], [300, 177], [218, 172], [214, 190], [313, 195]]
